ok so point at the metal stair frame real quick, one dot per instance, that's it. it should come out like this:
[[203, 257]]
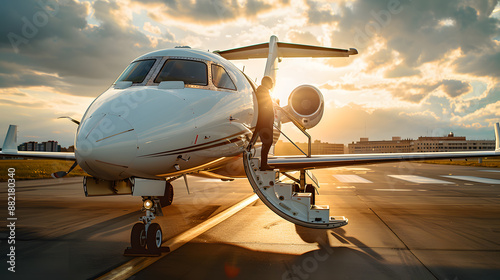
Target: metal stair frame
[[279, 197]]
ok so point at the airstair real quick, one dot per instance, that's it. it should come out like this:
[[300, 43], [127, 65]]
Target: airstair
[[288, 200], [294, 202]]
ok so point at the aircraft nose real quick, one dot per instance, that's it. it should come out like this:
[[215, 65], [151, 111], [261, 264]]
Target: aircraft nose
[[105, 146]]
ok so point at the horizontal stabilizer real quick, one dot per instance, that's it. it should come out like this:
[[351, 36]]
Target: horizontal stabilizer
[[285, 50]]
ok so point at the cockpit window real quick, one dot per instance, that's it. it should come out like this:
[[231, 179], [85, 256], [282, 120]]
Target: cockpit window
[[189, 71], [221, 79], [137, 71]]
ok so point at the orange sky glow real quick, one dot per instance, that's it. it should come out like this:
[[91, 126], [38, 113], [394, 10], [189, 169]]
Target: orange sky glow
[[423, 68]]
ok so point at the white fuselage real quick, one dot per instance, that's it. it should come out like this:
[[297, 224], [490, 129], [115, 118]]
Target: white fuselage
[[155, 131]]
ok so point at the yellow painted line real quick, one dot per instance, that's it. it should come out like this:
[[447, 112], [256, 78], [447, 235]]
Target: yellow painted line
[[139, 263]]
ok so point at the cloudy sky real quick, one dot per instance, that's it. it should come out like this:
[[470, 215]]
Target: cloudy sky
[[424, 67]]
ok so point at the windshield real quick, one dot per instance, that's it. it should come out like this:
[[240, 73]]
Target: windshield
[[221, 79], [136, 71], [189, 71]]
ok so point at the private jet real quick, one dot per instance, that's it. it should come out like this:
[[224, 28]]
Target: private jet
[[182, 111]]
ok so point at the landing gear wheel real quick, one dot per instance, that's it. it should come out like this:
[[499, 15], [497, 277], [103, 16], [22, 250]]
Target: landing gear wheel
[[168, 197], [154, 237], [138, 237]]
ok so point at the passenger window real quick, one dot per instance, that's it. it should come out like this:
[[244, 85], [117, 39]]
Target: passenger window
[[136, 71], [189, 71], [221, 79]]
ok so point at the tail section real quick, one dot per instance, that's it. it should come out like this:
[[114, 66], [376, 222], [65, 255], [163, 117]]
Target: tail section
[[272, 59], [497, 137], [10, 143], [275, 50]]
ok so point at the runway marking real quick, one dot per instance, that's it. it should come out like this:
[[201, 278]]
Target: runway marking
[[489, 170], [474, 179], [137, 264], [399, 190], [351, 168], [346, 187], [351, 179], [216, 180], [419, 179]]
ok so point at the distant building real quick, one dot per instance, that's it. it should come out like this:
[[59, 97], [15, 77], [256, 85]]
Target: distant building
[[396, 145], [317, 148], [450, 143], [49, 146], [28, 146]]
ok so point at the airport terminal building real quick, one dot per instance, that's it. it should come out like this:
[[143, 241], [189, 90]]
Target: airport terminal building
[[449, 143], [48, 146], [283, 148]]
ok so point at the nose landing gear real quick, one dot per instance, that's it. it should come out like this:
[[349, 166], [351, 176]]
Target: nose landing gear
[[146, 237]]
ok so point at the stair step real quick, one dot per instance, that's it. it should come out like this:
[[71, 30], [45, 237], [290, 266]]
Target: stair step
[[304, 198], [319, 213], [294, 206], [283, 191]]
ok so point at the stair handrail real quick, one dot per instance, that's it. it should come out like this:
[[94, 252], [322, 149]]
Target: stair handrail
[[301, 127]]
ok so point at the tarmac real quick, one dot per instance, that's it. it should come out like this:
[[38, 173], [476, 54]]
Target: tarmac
[[406, 221]]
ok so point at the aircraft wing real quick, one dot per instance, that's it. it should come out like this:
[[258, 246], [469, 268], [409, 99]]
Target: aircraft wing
[[327, 161], [285, 50], [285, 163], [9, 149], [40, 155]]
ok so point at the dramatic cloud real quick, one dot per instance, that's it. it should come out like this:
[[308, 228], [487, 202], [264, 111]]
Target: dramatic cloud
[[210, 11], [302, 37], [455, 88], [480, 64], [413, 29], [151, 28], [407, 91], [78, 58], [21, 104], [424, 67]]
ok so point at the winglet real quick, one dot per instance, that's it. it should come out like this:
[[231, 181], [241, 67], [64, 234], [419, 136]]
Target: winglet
[[10, 143], [497, 137]]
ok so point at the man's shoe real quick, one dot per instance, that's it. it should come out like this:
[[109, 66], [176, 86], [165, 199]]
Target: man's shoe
[[266, 168]]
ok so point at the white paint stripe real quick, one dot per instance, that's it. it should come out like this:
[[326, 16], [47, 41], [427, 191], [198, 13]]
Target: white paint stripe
[[351, 179], [137, 264], [351, 168], [475, 179], [394, 190], [490, 170], [216, 180], [419, 179]]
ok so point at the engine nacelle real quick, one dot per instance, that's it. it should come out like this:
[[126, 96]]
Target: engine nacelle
[[306, 104]]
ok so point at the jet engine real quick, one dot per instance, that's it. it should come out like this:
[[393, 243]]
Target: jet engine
[[306, 104]]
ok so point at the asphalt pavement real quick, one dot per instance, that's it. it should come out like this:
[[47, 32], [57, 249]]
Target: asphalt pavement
[[406, 221]]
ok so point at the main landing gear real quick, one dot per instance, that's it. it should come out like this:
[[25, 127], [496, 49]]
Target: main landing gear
[[146, 237]]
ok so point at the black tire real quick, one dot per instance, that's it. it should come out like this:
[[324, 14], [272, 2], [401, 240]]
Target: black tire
[[310, 189], [168, 197], [138, 236], [155, 236]]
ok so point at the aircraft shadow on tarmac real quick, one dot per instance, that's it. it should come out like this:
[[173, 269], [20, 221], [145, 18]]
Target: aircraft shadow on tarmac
[[320, 236], [228, 261], [197, 260]]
